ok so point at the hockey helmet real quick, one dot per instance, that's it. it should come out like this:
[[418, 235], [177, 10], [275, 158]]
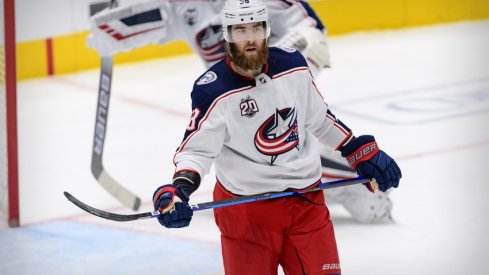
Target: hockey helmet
[[237, 12]]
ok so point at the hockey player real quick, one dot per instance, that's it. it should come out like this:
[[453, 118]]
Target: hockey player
[[259, 117], [136, 23], [293, 24]]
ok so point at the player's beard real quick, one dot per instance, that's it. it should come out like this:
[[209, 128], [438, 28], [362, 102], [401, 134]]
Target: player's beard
[[247, 63]]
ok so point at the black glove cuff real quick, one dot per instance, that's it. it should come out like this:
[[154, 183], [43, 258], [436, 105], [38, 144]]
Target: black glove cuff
[[354, 144], [188, 181]]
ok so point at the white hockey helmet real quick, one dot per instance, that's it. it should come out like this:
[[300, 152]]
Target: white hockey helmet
[[236, 12]]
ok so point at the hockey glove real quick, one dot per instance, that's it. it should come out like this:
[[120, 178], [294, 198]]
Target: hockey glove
[[311, 42], [363, 154], [172, 202]]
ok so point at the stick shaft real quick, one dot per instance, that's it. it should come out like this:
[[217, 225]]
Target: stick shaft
[[116, 189], [273, 195], [213, 204]]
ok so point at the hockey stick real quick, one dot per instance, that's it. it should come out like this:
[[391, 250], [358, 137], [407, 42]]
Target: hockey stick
[[117, 190], [214, 204]]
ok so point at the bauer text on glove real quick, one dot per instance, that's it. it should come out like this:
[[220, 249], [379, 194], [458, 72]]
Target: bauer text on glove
[[363, 154]]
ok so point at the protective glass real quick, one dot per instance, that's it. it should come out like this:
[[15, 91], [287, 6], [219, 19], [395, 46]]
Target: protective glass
[[247, 32]]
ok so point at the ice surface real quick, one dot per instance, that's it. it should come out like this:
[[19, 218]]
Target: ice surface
[[423, 92]]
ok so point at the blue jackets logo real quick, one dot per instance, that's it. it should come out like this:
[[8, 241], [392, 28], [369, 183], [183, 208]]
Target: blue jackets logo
[[278, 134]]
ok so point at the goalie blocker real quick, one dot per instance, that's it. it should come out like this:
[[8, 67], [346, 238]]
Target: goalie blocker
[[127, 27]]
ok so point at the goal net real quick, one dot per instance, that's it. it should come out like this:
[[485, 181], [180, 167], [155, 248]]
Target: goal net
[[9, 205]]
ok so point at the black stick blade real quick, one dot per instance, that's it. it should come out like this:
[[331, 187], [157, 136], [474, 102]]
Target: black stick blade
[[108, 215]]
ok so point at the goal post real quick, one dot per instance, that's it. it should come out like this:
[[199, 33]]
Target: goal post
[[9, 178]]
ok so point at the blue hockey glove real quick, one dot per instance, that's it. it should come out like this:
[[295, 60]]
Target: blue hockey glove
[[363, 154], [172, 202]]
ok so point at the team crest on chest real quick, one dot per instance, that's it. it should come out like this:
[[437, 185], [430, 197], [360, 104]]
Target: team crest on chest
[[278, 134], [248, 107], [211, 43]]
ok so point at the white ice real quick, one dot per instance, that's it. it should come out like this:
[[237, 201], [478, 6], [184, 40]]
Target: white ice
[[423, 92]]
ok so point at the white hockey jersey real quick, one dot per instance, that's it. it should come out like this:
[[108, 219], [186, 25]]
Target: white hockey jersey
[[197, 22], [261, 133]]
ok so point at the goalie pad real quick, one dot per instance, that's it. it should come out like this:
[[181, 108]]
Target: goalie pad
[[363, 206], [311, 42], [127, 27]]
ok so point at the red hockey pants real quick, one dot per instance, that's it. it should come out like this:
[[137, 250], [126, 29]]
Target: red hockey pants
[[292, 232]]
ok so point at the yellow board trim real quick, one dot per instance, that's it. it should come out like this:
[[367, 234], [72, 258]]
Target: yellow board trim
[[343, 16], [340, 16], [31, 59]]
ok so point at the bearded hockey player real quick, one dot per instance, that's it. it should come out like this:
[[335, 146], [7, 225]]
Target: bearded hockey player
[[259, 117]]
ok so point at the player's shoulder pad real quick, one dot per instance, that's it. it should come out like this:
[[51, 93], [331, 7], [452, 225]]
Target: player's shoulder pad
[[284, 59], [214, 82]]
